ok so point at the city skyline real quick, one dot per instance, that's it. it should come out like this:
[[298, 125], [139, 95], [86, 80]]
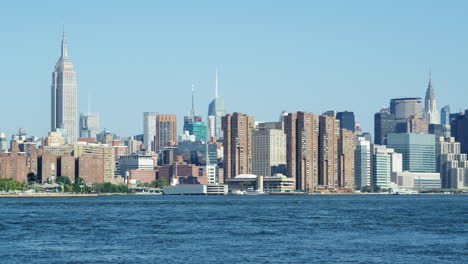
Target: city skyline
[[290, 84]]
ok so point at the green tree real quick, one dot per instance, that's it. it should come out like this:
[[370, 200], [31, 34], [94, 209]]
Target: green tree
[[63, 180], [161, 183], [32, 177]]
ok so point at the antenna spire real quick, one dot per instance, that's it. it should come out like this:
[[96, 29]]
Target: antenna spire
[[64, 45], [193, 103], [216, 84]]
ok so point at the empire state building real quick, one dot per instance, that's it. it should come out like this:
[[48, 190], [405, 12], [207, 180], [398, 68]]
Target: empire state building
[[63, 96]]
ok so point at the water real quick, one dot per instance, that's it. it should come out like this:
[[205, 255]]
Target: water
[[235, 229]]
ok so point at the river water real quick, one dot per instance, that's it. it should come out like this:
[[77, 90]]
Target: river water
[[235, 229]]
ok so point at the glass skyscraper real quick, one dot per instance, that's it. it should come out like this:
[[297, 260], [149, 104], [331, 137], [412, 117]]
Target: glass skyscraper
[[418, 151]]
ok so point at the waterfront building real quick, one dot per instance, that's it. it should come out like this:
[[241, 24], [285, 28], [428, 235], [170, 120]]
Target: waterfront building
[[346, 147], [216, 109], [64, 95], [459, 129], [417, 180], [134, 162], [346, 120], [237, 143], [302, 154], [362, 162], [329, 132], [418, 151], [89, 125], [451, 164], [268, 150], [431, 114], [382, 166]]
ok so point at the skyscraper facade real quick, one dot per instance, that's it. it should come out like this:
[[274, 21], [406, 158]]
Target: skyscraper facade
[[89, 125], [237, 144], [362, 163], [384, 124], [431, 113], [346, 120], [328, 151], [404, 108], [459, 128], [418, 151], [166, 132], [149, 130], [269, 151], [216, 109], [64, 95], [346, 146], [302, 149], [445, 115]]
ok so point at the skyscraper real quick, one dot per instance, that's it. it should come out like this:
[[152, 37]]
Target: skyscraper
[[89, 125], [216, 109], [418, 151], [404, 108], [445, 115], [362, 162], [149, 130], [346, 120], [431, 113], [346, 146], [459, 128], [302, 154], [237, 143], [64, 95], [328, 152], [269, 151], [166, 132], [384, 124]]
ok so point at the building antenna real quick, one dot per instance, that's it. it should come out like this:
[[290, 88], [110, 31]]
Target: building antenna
[[216, 84], [193, 103]]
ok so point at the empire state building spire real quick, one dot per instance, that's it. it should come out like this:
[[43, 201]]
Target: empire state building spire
[[64, 54], [430, 105]]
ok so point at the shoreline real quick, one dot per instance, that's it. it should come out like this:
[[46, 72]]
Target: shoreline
[[51, 195]]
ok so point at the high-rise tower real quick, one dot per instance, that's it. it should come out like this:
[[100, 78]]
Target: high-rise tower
[[64, 95], [216, 109], [431, 113]]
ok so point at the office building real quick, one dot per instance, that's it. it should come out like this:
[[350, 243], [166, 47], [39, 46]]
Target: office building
[[451, 164], [404, 108], [431, 113], [302, 149], [384, 124], [418, 151], [362, 164], [346, 120], [149, 130], [269, 151], [459, 129], [89, 125], [445, 115], [64, 95], [384, 161], [134, 162], [417, 180], [237, 143], [216, 109], [195, 127]]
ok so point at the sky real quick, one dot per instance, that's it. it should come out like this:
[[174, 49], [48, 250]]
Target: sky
[[132, 57]]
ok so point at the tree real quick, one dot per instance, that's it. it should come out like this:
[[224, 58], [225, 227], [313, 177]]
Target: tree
[[32, 177], [63, 180], [161, 183]]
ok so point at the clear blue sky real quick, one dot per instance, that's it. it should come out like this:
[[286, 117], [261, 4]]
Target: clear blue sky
[[137, 56]]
